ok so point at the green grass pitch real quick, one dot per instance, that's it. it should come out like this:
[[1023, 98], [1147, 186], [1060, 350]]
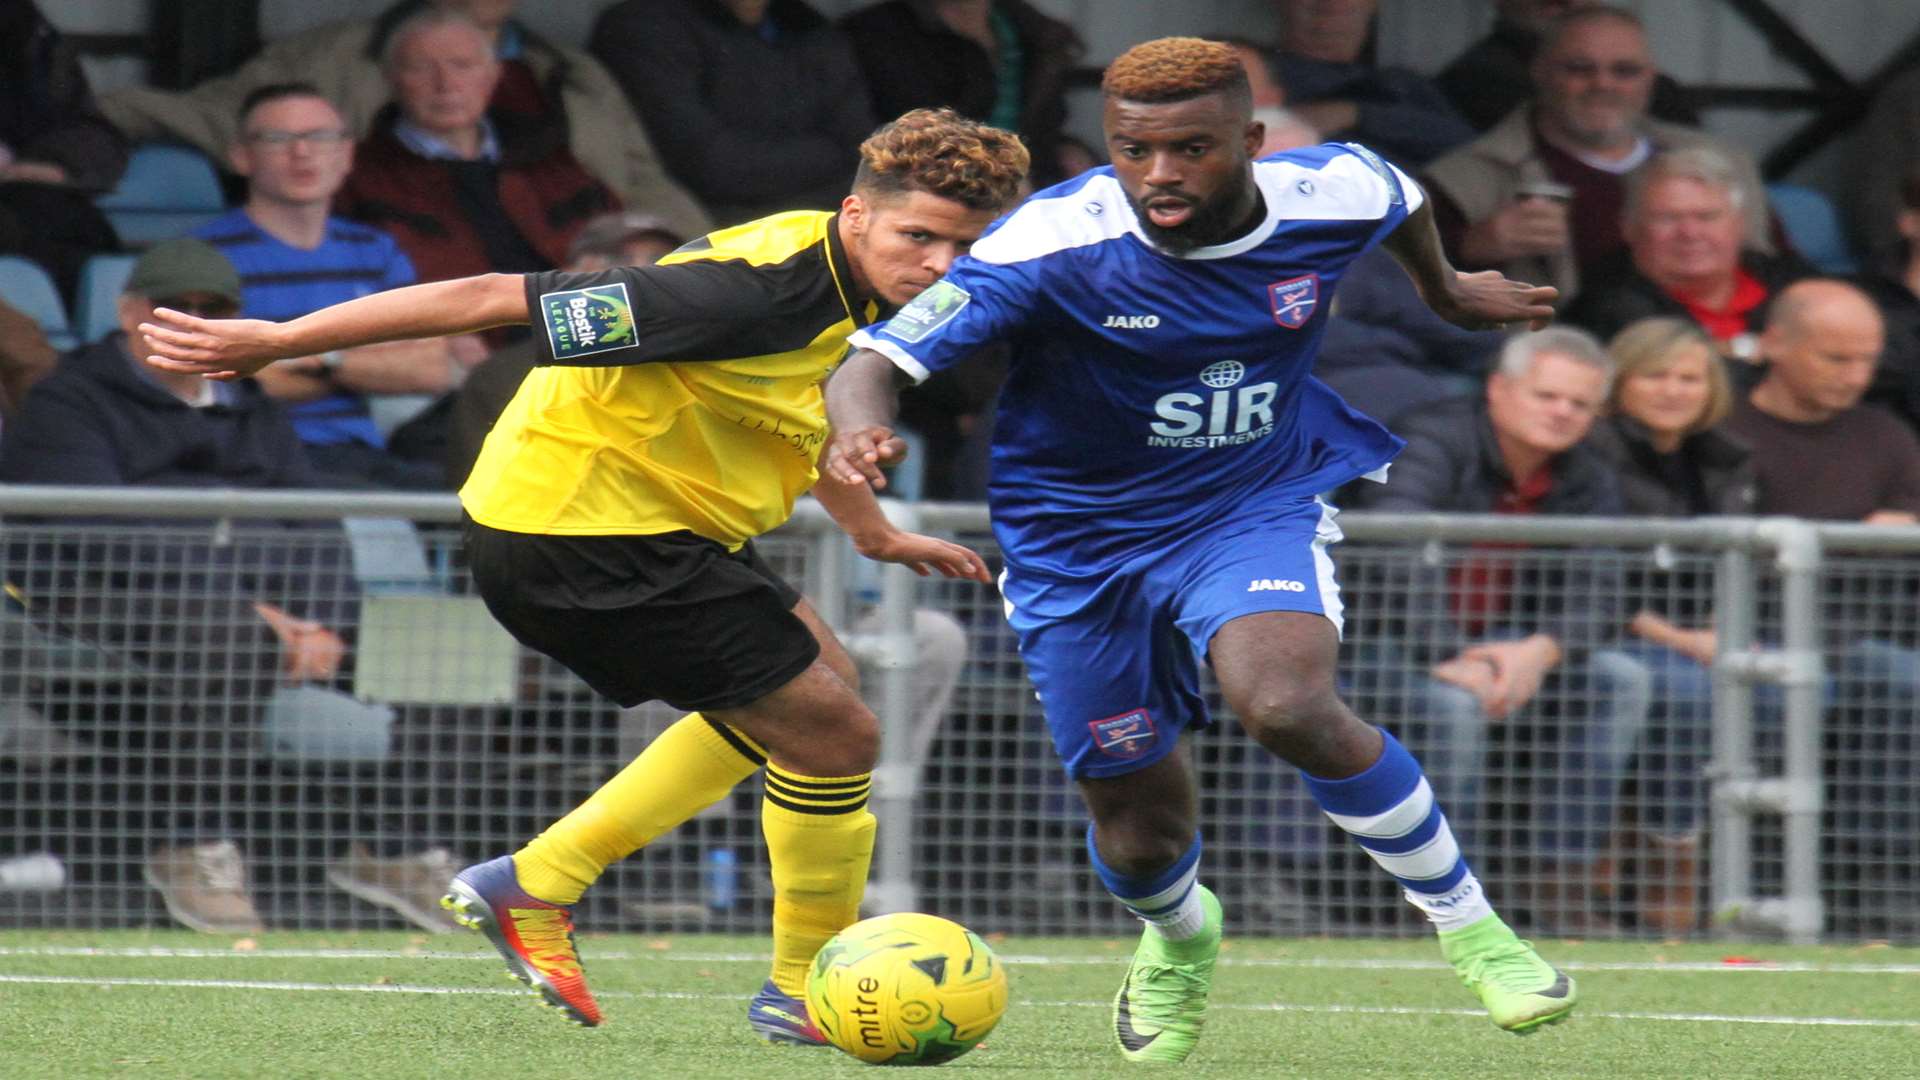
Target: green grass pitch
[[376, 1005]]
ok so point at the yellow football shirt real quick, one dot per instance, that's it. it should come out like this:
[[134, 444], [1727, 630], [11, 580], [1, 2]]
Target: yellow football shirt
[[684, 395]]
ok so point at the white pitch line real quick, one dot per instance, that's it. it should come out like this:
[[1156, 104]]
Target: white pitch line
[[1662, 967], [1364, 1010]]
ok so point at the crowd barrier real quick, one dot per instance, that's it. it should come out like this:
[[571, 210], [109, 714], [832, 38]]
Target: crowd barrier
[[1769, 791]]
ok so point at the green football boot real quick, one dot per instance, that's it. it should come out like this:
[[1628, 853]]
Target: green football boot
[[1163, 1002], [1521, 991]]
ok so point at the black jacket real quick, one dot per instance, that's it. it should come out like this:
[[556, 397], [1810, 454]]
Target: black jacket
[[95, 420], [913, 60], [1618, 294], [1452, 464], [1723, 462], [47, 112], [1896, 384], [750, 126]]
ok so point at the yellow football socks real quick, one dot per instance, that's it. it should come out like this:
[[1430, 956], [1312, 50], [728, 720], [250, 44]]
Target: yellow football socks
[[691, 766], [819, 844]]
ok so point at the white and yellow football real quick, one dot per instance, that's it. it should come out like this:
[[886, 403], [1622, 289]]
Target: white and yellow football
[[906, 989]]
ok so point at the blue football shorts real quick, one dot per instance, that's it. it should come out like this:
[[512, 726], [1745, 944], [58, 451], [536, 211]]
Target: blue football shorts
[[1115, 656]]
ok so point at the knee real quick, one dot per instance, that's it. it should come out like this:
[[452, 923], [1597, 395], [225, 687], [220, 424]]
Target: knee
[[1281, 717], [1141, 846]]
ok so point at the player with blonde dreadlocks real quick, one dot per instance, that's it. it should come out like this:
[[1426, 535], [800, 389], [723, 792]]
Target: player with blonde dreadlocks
[[675, 414], [1158, 455]]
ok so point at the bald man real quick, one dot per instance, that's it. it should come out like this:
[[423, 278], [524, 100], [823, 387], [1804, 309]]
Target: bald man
[[1818, 451]]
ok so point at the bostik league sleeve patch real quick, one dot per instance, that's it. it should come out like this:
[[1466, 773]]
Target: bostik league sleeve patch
[[929, 311], [582, 322]]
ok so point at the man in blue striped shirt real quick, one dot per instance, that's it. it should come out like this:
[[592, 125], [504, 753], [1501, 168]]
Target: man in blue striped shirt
[[294, 258]]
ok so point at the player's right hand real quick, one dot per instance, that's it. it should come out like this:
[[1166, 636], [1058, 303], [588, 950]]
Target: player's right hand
[[856, 457], [216, 348]]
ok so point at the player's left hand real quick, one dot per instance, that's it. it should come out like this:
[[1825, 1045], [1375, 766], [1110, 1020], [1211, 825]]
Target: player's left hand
[[925, 555], [856, 457], [1488, 300], [216, 348]]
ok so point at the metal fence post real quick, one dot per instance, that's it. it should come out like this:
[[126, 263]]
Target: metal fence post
[[893, 654], [1803, 640], [1731, 768]]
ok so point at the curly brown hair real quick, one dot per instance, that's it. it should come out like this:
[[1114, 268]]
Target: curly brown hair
[[1177, 69], [940, 152]]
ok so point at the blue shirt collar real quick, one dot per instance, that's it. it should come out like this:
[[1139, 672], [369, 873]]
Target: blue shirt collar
[[434, 148]]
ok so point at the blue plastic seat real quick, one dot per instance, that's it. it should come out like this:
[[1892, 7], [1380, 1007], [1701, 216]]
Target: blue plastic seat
[[95, 310], [167, 190], [1813, 227], [26, 286]]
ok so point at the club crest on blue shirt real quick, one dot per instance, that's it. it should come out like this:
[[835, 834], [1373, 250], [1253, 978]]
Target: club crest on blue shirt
[[929, 311], [1294, 300], [1125, 736], [581, 322]]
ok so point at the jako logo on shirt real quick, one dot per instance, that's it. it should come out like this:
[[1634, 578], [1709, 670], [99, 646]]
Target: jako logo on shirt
[[581, 322], [1267, 584], [1132, 322], [1230, 414]]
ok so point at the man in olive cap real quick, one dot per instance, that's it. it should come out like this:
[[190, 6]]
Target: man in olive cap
[[104, 418]]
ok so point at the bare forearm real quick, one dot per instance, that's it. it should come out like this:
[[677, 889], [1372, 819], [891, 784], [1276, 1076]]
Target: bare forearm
[[863, 393], [398, 367], [433, 310], [854, 508], [1415, 245]]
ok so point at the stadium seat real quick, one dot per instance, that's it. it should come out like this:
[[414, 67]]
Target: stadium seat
[[167, 190], [25, 285], [1813, 227], [101, 279]]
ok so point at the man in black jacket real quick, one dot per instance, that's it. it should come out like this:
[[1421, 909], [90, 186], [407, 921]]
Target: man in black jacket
[[1492, 635]]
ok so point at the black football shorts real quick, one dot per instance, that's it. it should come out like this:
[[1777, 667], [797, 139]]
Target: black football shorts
[[673, 617]]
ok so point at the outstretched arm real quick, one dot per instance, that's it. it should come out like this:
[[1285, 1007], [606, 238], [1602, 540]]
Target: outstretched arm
[[854, 508], [862, 399], [232, 348], [1482, 301]]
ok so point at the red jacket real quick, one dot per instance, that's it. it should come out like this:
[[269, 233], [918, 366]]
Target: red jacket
[[545, 194]]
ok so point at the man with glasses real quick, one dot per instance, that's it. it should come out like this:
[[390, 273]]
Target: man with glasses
[[294, 257], [1539, 196]]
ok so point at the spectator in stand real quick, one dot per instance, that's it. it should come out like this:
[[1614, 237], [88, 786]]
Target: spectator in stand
[[1818, 451], [1894, 283], [543, 85], [621, 239], [465, 189], [1001, 62], [1334, 87], [1663, 435], [25, 358], [1684, 223], [757, 105], [1539, 196], [1498, 638], [212, 628], [293, 258], [1889, 154], [1285, 131], [56, 151], [1495, 72]]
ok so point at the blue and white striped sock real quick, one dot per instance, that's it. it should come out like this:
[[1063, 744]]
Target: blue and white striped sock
[[1391, 811], [1167, 901]]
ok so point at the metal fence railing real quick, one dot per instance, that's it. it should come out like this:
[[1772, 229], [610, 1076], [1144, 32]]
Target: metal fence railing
[[152, 729]]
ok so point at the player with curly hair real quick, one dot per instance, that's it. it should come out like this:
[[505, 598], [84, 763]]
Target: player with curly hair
[[1157, 460], [676, 414]]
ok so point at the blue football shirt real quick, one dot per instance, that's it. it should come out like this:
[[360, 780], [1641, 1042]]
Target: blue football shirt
[[1152, 394]]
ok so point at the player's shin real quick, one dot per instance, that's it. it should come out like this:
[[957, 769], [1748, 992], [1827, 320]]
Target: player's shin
[[1389, 809], [691, 766], [819, 845]]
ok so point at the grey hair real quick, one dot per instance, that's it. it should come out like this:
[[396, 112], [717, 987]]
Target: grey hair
[[1703, 163], [1521, 350], [427, 18]]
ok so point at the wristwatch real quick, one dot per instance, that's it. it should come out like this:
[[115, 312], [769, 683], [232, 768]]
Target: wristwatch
[[331, 361]]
